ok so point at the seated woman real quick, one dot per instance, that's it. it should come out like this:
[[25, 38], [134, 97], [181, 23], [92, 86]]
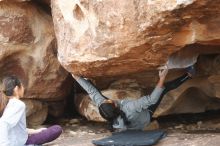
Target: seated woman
[[131, 114], [13, 118]]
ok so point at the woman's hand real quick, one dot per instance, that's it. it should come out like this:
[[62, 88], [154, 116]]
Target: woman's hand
[[34, 131]]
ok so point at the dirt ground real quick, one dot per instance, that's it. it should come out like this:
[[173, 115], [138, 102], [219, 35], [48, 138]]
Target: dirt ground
[[197, 131], [85, 134], [173, 139]]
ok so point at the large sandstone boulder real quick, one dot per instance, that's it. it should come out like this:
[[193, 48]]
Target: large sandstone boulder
[[36, 112], [28, 50], [107, 38], [114, 40]]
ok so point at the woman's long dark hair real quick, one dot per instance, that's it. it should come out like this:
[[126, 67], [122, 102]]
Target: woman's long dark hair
[[7, 89], [110, 112]]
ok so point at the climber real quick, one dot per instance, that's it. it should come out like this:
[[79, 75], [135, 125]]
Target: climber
[[13, 118], [132, 114]]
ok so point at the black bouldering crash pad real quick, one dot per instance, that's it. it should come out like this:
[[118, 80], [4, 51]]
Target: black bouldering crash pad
[[131, 138]]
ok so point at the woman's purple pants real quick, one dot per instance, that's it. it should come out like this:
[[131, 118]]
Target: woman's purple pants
[[45, 136]]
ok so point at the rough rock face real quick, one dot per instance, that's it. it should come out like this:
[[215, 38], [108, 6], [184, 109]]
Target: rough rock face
[[36, 112], [46, 2], [56, 109], [107, 38], [28, 50]]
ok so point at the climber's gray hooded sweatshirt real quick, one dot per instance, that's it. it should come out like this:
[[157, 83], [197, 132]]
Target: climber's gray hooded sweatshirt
[[136, 111]]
